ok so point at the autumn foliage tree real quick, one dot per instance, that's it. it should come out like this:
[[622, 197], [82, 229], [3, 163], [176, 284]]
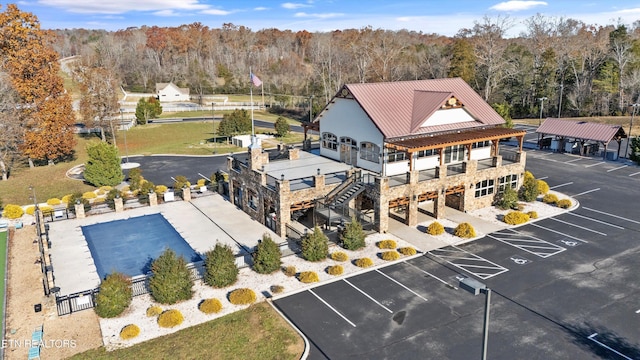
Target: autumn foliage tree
[[32, 64], [148, 108], [99, 96]]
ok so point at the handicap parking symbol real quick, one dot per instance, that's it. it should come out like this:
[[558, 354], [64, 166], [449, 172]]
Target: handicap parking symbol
[[570, 243], [519, 260]]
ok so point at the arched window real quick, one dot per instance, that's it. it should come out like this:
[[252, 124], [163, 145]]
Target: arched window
[[370, 152], [329, 141]]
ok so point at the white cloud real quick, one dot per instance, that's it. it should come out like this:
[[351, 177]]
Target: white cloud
[[215, 12], [293, 6], [517, 5], [166, 13], [260, 8], [123, 6], [318, 15], [628, 11]]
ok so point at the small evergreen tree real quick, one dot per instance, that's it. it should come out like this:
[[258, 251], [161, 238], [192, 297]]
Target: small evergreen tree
[[147, 108], [281, 126], [103, 166], [315, 245], [267, 257], [114, 296], [135, 179], [635, 150], [220, 267], [353, 236], [170, 281], [529, 190], [507, 199], [235, 123]]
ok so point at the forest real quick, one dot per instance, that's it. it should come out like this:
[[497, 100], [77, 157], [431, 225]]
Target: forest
[[577, 69]]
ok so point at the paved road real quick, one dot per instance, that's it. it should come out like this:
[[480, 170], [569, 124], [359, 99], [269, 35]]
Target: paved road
[[160, 169], [256, 122]]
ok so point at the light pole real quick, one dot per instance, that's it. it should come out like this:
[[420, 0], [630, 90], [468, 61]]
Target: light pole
[[560, 104], [633, 113], [213, 120], [311, 109], [475, 287], [126, 149], [541, 99], [33, 195]]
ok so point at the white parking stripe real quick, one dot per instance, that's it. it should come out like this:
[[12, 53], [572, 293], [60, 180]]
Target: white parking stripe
[[615, 216], [428, 273], [397, 282], [592, 338], [332, 308], [598, 163], [558, 232], [596, 220], [586, 192], [367, 295], [618, 168], [557, 186], [574, 160], [634, 174], [579, 227], [542, 178]]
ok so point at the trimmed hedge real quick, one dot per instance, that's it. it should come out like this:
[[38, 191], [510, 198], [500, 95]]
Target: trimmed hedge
[[170, 318], [308, 277], [339, 256], [435, 228], [161, 189], [89, 195], [242, 296], [276, 289], [515, 218], [465, 230], [390, 255], [114, 296], [54, 201], [407, 250], [290, 270], [210, 306], [65, 199], [564, 203], [129, 332], [363, 262], [387, 244], [550, 199], [543, 187], [12, 211], [154, 310], [335, 270], [532, 215]]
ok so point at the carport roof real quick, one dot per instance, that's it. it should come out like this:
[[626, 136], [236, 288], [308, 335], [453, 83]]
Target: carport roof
[[581, 130]]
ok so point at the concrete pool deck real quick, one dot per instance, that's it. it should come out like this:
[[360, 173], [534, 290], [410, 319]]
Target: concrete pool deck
[[202, 223]]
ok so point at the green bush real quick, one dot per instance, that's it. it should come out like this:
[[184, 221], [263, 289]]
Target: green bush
[[290, 270], [210, 306], [154, 310], [65, 199], [543, 187], [12, 211], [161, 189], [515, 218], [242, 296], [550, 199], [507, 199], [435, 228], [339, 256], [564, 203], [135, 179], [390, 255], [54, 201], [129, 332], [276, 289], [363, 262], [353, 236], [532, 215], [170, 318], [335, 270], [181, 181], [407, 250], [315, 245], [220, 267], [465, 230], [89, 195], [170, 281], [46, 209], [308, 277], [387, 244], [529, 190], [102, 166], [201, 182], [281, 126], [267, 257], [114, 296]]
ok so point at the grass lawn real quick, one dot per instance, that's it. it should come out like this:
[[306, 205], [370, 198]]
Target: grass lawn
[[258, 115], [257, 332], [3, 264]]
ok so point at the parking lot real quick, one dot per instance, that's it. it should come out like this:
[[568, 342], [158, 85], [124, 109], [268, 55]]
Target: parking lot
[[563, 288]]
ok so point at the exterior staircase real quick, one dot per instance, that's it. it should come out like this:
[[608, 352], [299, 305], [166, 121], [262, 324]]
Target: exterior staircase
[[348, 193]]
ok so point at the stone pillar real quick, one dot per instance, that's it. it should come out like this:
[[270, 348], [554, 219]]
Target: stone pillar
[[441, 172], [412, 211], [256, 158], [318, 181], [80, 211], [294, 154], [119, 204], [153, 199], [283, 209], [186, 194], [440, 205], [497, 161], [382, 205]]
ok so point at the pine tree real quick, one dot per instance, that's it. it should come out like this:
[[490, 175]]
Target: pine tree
[[281, 126], [147, 108], [114, 296], [171, 279], [220, 267], [353, 236], [315, 246], [267, 257], [103, 166]]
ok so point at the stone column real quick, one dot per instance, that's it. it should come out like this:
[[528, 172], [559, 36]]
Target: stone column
[[119, 204], [382, 205], [186, 194], [283, 209], [318, 181], [412, 211], [80, 211], [153, 199], [440, 205]]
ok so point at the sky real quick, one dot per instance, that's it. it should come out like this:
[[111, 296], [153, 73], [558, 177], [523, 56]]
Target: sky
[[444, 17]]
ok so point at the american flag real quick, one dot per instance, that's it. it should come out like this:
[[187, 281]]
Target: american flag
[[255, 80]]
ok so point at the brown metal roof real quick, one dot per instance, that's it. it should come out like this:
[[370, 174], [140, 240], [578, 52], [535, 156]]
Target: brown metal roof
[[391, 105], [581, 130], [444, 140]]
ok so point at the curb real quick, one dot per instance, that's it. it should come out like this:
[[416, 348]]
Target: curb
[[305, 353]]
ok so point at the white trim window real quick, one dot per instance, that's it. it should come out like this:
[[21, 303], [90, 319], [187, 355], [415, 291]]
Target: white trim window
[[485, 187], [329, 141], [394, 155], [481, 144], [253, 200], [512, 180], [426, 153], [370, 152], [454, 154]]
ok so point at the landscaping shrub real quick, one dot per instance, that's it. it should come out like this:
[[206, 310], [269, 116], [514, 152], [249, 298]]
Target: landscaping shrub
[[390, 255], [550, 199], [515, 218], [267, 257], [12, 211], [154, 310], [507, 199], [290, 270], [181, 181], [276, 289], [98, 201], [387, 244], [407, 250], [564, 203], [308, 277], [315, 245], [170, 318], [210, 306], [543, 187], [201, 182], [100, 192], [435, 228], [65, 199], [105, 189], [170, 281], [465, 230], [532, 215], [129, 332], [220, 267], [135, 179], [114, 296], [89, 195], [161, 189], [242, 296], [335, 270], [529, 190], [54, 201], [363, 262], [339, 256], [353, 236]]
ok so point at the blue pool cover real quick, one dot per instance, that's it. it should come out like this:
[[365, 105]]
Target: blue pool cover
[[129, 246]]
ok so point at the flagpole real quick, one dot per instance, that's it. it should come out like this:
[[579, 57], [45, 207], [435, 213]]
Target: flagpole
[[253, 134]]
